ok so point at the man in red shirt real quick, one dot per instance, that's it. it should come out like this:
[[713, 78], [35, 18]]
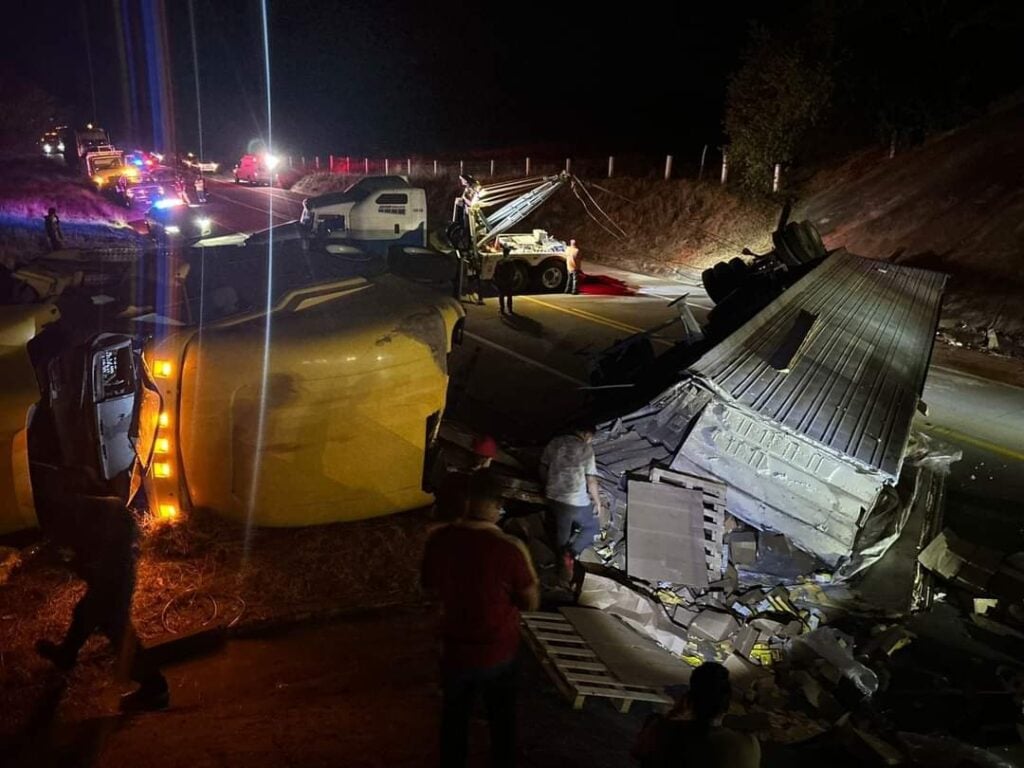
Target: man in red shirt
[[483, 578]]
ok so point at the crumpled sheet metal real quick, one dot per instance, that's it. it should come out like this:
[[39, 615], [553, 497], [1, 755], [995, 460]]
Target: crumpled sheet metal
[[780, 481]]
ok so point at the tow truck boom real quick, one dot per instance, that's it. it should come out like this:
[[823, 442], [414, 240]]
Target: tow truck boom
[[520, 197]]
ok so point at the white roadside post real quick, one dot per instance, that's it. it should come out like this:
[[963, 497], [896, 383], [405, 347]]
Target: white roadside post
[[668, 167], [703, 157], [387, 167], [408, 166], [776, 177], [611, 166], [317, 158], [462, 168], [568, 165], [527, 166], [725, 165], [492, 168], [366, 166]]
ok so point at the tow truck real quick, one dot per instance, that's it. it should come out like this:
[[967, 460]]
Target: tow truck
[[481, 239], [79, 142], [304, 392], [106, 167], [379, 214]]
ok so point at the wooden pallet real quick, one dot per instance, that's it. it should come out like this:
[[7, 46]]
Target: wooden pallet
[[714, 511], [574, 667]]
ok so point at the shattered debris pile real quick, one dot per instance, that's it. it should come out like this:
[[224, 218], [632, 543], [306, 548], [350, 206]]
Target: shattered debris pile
[[775, 510]]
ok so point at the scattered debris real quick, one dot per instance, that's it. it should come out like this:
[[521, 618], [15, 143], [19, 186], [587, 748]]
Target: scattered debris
[[974, 567]]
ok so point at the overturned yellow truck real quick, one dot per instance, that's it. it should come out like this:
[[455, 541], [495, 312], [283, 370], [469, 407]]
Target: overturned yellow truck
[[279, 389]]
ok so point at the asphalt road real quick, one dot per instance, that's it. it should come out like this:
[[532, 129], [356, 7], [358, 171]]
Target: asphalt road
[[527, 375]]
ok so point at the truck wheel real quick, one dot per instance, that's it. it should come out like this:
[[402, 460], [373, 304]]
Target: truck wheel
[[813, 237], [520, 277], [782, 250], [549, 277], [710, 282], [738, 266]]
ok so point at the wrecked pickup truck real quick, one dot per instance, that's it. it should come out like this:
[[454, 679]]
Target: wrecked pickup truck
[[272, 396]]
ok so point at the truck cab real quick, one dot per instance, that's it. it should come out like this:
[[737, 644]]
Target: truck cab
[[257, 170], [106, 168], [372, 215]]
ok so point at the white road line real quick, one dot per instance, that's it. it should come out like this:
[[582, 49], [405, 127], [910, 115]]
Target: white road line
[[264, 211], [958, 373], [525, 359]]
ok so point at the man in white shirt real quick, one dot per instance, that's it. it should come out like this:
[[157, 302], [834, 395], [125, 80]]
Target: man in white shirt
[[573, 261], [569, 472]]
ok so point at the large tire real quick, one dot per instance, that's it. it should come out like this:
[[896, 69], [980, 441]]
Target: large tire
[[727, 281], [814, 236], [799, 243], [550, 276], [710, 282], [718, 282], [782, 250], [738, 267]]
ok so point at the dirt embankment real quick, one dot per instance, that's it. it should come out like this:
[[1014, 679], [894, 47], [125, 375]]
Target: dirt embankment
[[671, 227], [30, 186], [954, 204]]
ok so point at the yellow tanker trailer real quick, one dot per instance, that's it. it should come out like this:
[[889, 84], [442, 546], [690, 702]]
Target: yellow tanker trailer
[[316, 405]]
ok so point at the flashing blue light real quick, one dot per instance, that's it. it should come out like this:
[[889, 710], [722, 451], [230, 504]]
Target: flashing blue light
[[136, 161], [167, 202]]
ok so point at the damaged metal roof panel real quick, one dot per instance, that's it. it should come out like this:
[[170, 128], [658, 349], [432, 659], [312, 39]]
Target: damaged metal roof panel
[[840, 358], [779, 481]]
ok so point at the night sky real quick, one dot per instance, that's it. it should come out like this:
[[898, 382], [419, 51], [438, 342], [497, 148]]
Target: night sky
[[443, 78], [392, 76]]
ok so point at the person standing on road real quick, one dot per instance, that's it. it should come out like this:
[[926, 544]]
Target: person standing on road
[[691, 734], [483, 578], [505, 280], [200, 187], [569, 472], [105, 541], [53, 230], [573, 263]]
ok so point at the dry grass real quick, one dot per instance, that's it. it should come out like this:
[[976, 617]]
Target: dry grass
[[205, 569], [672, 227]]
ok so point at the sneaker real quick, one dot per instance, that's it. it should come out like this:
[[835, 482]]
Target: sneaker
[[56, 654], [149, 697]]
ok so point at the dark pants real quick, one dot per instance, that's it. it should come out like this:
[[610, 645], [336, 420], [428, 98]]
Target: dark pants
[[106, 608], [497, 687], [505, 302], [566, 516], [572, 283]]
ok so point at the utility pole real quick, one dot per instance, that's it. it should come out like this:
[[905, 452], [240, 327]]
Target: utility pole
[[195, 72]]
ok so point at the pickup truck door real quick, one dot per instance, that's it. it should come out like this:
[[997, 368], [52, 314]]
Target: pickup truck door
[[105, 407], [126, 407]]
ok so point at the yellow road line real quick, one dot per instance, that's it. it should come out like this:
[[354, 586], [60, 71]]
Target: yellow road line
[[977, 442], [599, 319]]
